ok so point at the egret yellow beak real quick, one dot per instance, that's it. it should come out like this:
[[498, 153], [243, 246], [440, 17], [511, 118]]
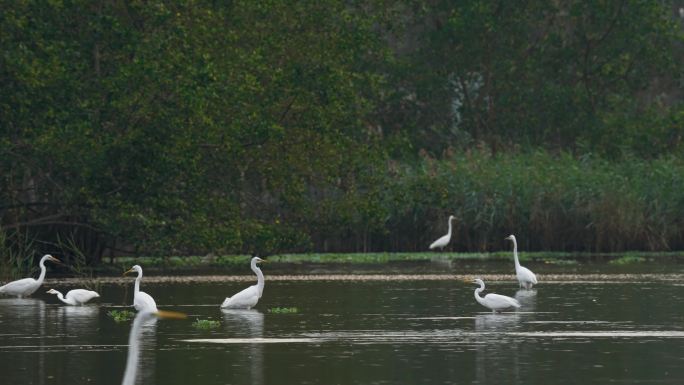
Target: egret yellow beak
[[53, 259], [171, 314], [127, 271]]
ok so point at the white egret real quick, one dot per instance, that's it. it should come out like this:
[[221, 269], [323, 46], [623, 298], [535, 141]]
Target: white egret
[[27, 286], [141, 300], [525, 276], [496, 302], [134, 340], [444, 240], [248, 298], [75, 297]]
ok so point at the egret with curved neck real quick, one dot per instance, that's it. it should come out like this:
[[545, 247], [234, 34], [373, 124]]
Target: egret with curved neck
[[27, 286], [248, 298], [444, 240], [526, 277], [75, 297], [495, 302], [141, 300]]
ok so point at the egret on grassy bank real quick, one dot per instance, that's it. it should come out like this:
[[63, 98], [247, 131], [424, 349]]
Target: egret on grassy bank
[[495, 302], [27, 286], [141, 300], [75, 297], [247, 298], [444, 240], [525, 276]]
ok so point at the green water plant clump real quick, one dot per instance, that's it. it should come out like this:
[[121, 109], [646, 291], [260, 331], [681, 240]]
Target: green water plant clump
[[121, 315], [283, 310], [205, 324]]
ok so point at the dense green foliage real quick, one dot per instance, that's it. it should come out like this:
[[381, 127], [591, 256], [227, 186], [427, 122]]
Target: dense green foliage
[[196, 127], [575, 75]]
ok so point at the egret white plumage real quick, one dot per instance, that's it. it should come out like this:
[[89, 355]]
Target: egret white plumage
[[525, 276], [75, 297], [27, 286], [141, 300], [247, 298], [495, 302], [134, 340], [444, 240]]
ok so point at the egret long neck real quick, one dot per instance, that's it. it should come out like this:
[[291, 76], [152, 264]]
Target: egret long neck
[[515, 253], [449, 232], [61, 297], [43, 270], [137, 283], [479, 290], [260, 277]]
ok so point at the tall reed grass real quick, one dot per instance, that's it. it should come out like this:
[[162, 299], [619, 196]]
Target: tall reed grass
[[17, 251], [550, 201]]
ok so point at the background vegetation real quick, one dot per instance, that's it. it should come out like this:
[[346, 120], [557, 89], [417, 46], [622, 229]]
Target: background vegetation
[[199, 127]]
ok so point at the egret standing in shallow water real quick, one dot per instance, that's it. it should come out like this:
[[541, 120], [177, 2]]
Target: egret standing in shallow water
[[496, 302], [525, 276], [249, 297], [444, 240], [75, 297], [27, 286], [141, 300]]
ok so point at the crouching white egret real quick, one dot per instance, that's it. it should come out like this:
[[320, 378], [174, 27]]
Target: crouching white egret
[[495, 302], [248, 298], [134, 340], [75, 297], [526, 277], [141, 300], [27, 286], [444, 240]]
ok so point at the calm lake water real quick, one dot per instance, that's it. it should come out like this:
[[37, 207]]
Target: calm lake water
[[415, 331]]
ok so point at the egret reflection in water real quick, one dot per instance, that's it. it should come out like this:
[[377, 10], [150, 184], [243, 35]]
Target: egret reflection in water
[[249, 324], [143, 325], [27, 317], [77, 320], [493, 346], [527, 298], [25, 314], [245, 323], [497, 322]]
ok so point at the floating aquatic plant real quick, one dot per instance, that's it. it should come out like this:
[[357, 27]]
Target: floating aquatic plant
[[283, 310], [205, 324], [121, 315]]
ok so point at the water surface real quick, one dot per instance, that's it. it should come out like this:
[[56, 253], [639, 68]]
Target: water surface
[[385, 331]]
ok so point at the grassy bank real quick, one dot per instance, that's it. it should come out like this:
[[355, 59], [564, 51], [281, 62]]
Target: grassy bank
[[241, 262], [370, 263]]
